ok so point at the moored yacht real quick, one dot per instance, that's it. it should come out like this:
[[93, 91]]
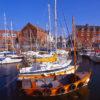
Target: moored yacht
[[8, 57], [8, 60], [95, 57], [44, 78]]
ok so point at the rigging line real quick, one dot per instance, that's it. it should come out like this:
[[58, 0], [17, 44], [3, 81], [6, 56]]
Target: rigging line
[[55, 23], [64, 18], [62, 32], [62, 26], [5, 23]]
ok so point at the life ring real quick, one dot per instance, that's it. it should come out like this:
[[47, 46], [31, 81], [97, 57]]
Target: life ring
[[37, 93], [60, 90], [46, 92], [80, 85], [71, 87]]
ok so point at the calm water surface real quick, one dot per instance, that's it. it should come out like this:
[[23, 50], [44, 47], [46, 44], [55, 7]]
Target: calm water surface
[[9, 91]]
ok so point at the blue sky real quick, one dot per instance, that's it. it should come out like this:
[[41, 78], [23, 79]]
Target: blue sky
[[36, 12]]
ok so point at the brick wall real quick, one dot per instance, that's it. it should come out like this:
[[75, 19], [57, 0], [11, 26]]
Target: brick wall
[[88, 35], [32, 37]]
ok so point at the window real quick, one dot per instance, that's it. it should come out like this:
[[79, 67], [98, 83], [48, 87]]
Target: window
[[13, 35], [8, 35]]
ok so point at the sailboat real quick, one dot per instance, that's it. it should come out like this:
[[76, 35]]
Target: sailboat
[[95, 56], [57, 58], [8, 56], [53, 83], [56, 78]]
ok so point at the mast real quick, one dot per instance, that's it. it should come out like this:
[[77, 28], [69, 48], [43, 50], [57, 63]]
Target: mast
[[94, 34], [67, 29], [19, 45], [12, 36], [55, 24], [30, 40], [74, 37], [49, 26], [5, 27], [47, 38]]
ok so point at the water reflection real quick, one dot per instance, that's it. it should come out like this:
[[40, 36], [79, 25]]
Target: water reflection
[[9, 91]]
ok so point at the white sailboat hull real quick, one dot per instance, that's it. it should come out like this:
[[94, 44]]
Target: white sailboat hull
[[9, 61], [14, 56], [95, 58], [50, 68]]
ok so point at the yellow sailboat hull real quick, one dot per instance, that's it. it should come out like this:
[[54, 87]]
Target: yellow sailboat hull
[[46, 59]]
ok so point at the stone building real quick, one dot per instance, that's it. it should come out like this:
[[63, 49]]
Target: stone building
[[88, 36], [8, 39], [33, 37]]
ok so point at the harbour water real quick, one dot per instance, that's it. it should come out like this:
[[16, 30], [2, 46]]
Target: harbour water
[[9, 90]]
